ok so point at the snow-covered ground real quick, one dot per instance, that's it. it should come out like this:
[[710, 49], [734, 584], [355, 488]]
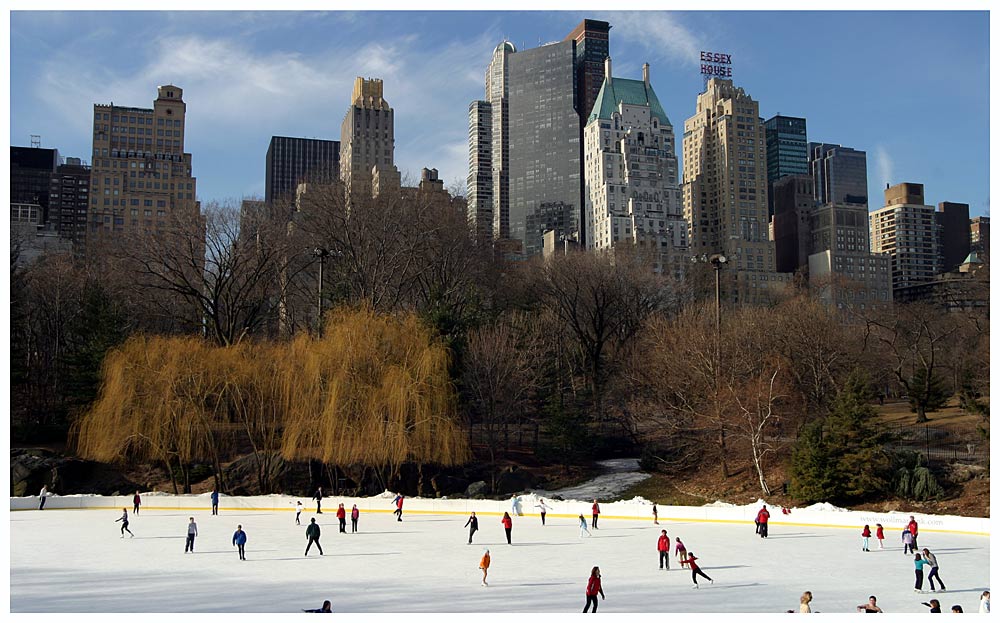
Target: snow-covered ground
[[618, 475], [74, 561]]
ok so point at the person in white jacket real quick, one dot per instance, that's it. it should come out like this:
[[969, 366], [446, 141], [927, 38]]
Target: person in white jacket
[[984, 603], [44, 493], [543, 507], [298, 512]]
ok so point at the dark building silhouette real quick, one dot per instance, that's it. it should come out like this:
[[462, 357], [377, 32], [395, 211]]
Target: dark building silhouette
[[31, 170], [840, 174], [793, 205], [293, 160], [69, 196], [953, 234], [787, 151]]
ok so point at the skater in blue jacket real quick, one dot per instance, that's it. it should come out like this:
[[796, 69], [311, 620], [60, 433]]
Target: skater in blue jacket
[[240, 540]]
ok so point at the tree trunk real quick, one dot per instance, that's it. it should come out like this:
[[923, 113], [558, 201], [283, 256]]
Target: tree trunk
[[921, 413], [722, 451], [186, 473], [173, 479]]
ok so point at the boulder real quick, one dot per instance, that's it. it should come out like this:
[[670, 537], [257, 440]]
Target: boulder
[[476, 489], [514, 480]]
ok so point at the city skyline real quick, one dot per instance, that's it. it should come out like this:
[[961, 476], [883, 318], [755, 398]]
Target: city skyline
[[255, 81]]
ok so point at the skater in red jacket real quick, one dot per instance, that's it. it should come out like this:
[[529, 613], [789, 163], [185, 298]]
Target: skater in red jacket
[[696, 570], [507, 525], [879, 534], [399, 507], [865, 535], [342, 518], [913, 530], [663, 546], [595, 510], [594, 589], [762, 517]]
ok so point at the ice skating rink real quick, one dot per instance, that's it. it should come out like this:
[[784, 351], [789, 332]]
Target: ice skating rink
[[74, 561]]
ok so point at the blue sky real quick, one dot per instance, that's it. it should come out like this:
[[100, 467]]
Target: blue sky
[[910, 88]]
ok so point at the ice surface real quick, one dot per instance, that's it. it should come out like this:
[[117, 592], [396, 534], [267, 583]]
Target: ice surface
[[74, 561]]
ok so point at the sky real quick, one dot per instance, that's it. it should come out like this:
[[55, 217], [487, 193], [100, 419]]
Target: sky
[[909, 88]]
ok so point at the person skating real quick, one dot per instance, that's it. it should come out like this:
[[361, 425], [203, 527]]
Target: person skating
[[934, 605], [399, 507], [871, 607], [933, 573], [327, 607], [508, 523], [865, 535], [594, 589], [191, 533], [312, 535], [44, 493], [136, 502], [907, 541], [762, 516], [804, 601], [514, 503], [473, 525], [918, 571], [298, 512], [984, 603], [880, 534], [656, 517], [696, 570], [484, 564], [543, 508], [583, 526], [595, 510], [680, 551], [342, 518], [663, 546], [319, 500], [355, 514], [124, 520], [215, 501], [240, 541], [913, 530], [956, 609]]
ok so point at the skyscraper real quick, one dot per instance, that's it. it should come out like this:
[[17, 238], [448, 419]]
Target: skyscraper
[[906, 229], [840, 174], [979, 237], [793, 203], [293, 160], [139, 173], [953, 234], [367, 142], [479, 184], [31, 170], [545, 184], [787, 151], [630, 172], [592, 40], [725, 190], [69, 196]]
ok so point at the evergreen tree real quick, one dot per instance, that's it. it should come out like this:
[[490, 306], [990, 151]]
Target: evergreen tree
[[927, 393], [813, 468]]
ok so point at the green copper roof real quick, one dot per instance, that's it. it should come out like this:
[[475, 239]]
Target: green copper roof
[[973, 258], [634, 92]]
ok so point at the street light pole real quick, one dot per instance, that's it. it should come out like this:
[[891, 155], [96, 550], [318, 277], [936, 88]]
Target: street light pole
[[322, 254], [717, 260]]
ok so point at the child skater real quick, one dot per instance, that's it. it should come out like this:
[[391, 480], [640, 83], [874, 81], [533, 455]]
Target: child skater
[[865, 535], [879, 534], [583, 527], [124, 520], [484, 564], [696, 570], [298, 512], [680, 551], [907, 541]]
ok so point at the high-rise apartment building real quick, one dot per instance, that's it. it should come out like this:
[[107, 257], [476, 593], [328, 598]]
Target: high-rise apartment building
[[793, 203], [545, 153], [906, 229], [953, 234], [367, 143], [479, 184], [979, 237], [630, 172], [140, 175], [69, 197], [840, 174], [787, 151], [290, 161], [725, 191], [31, 170], [592, 47]]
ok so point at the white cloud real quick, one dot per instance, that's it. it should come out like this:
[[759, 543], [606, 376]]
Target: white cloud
[[661, 33], [884, 166]]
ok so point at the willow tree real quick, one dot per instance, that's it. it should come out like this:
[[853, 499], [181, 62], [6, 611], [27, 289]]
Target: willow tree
[[159, 402], [373, 390]]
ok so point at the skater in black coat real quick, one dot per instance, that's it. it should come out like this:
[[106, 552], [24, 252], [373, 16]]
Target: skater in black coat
[[124, 520], [312, 535], [319, 500], [473, 525]]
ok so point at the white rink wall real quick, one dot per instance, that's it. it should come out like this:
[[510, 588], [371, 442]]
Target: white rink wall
[[817, 515]]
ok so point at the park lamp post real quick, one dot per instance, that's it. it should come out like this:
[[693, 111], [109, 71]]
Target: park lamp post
[[322, 254], [717, 260]]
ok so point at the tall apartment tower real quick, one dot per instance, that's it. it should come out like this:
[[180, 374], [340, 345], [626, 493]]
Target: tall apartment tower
[[906, 229], [787, 151], [592, 40], [479, 184], [979, 237], [792, 199], [953, 234], [725, 191], [840, 174], [69, 196], [367, 143], [293, 160], [630, 165], [140, 174], [31, 170], [545, 149]]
